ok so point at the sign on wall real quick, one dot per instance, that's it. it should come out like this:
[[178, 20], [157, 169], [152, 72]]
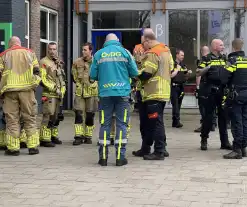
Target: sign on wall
[[158, 21]]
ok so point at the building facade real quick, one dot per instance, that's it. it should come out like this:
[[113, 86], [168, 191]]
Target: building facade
[[36, 22], [184, 24]]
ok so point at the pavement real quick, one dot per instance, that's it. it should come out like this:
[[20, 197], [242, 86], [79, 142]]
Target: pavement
[[69, 176]]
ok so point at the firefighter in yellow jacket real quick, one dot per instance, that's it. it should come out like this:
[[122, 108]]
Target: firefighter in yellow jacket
[[54, 88], [155, 77], [86, 97], [2, 127], [19, 71]]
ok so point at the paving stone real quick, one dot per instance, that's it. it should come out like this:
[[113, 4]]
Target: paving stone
[[69, 176]]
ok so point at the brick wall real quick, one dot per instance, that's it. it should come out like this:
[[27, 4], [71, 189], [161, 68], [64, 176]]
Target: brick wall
[[6, 11], [18, 19], [57, 5]]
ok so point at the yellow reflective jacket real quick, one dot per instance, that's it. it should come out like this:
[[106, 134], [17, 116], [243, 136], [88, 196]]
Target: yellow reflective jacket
[[158, 62], [80, 73], [16, 69], [52, 78]]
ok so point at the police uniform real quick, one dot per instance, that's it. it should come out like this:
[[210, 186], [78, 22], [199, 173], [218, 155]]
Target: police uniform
[[212, 92], [238, 104], [200, 65], [54, 88], [177, 92], [155, 93], [86, 101], [19, 69]]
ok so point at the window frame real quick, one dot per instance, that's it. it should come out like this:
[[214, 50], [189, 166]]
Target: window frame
[[49, 11], [27, 36]]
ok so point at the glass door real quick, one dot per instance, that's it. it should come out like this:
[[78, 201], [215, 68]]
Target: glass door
[[98, 38]]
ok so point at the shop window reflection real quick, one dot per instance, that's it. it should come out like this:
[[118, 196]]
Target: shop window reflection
[[121, 19], [182, 35], [239, 23], [215, 24]]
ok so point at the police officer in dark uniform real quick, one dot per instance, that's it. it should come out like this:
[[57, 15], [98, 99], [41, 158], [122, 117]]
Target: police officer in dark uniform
[[199, 84], [237, 100], [179, 75], [216, 78]]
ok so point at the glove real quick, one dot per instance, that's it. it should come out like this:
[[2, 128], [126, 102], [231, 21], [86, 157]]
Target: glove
[[196, 93], [58, 92], [60, 115], [44, 99]]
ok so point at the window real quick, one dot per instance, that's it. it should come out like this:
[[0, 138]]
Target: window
[[121, 19], [239, 23], [48, 29], [27, 13], [215, 24], [183, 35]]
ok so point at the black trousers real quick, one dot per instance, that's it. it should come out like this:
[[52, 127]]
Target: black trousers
[[177, 95], [152, 126], [212, 102], [202, 112], [238, 115]]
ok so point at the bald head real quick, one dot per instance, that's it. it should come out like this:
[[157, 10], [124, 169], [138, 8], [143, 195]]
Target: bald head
[[111, 36], [217, 45], [149, 34], [14, 41], [205, 50], [142, 39]]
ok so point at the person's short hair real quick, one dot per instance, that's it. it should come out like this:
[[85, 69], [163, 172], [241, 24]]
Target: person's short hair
[[237, 44], [89, 44], [178, 51], [52, 43]]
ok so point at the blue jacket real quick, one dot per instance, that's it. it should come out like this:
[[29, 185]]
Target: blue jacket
[[112, 67]]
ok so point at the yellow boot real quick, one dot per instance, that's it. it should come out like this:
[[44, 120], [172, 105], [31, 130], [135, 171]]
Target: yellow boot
[[79, 134], [45, 137], [2, 140], [54, 136], [13, 145], [89, 134], [23, 139]]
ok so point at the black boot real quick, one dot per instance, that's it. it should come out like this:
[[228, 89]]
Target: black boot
[[47, 144], [204, 144], [33, 151], [12, 153], [55, 140], [244, 153], [226, 146], [121, 162], [102, 162], [213, 128], [166, 154], [235, 154], [23, 145], [3, 148], [88, 141], [154, 156], [140, 153], [198, 130], [77, 141], [177, 125]]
